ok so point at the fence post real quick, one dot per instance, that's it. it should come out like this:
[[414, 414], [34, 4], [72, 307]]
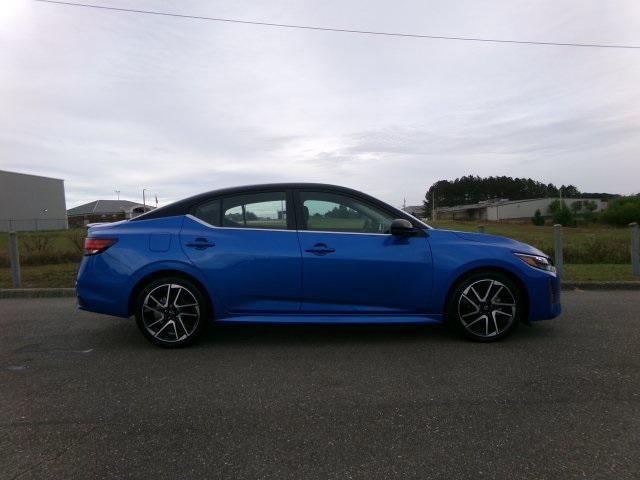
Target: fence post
[[557, 242], [481, 228], [14, 255], [635, 249]]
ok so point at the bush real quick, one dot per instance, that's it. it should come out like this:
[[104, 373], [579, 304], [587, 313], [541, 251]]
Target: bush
[[622, 211], [562, 214], [537, 218]]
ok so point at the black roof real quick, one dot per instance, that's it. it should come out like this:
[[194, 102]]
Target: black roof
[[103, 206], [183, 207]]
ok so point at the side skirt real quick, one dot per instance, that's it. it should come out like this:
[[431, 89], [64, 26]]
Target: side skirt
[[334, 319]]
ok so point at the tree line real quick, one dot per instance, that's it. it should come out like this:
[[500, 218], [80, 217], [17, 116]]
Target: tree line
[[473, 189]]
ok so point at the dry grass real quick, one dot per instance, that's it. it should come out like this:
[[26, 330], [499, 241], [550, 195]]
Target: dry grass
[[593, 244]]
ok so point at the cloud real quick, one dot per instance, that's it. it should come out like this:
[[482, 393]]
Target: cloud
[[118, 101]]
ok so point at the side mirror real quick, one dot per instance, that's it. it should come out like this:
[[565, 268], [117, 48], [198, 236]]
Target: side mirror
[[402, 227]]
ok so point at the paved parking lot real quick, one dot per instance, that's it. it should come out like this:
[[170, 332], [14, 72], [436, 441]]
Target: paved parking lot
[[86, 396]]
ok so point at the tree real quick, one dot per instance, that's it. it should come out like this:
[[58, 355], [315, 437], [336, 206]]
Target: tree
[[590, 206], [474, 189], [576, 206], [537, 218], [622, 211], [562, 214]]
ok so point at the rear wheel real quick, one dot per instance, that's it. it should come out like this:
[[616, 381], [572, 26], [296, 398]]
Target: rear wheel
[[486, 306], [171, 312]]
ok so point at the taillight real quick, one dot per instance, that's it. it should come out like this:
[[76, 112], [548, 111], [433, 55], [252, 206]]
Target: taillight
[[93, 246]]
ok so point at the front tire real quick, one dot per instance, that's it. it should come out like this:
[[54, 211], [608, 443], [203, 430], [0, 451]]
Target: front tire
[[171, 312], [486, 307]]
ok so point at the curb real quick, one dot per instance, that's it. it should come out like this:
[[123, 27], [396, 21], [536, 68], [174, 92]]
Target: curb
[[37, 292], [70, 292], [600, 286]]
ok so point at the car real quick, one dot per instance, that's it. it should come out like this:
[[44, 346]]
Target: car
[[307, 253]]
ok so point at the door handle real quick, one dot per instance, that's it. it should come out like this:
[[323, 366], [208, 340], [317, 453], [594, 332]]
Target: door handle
[[201, 244], [320, 249]]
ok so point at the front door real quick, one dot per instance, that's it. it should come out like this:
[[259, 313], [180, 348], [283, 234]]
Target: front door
[[351, 264], [247, 248]]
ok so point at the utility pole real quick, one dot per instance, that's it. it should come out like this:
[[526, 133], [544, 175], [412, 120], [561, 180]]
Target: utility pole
[[144, 201], [433, 205], [404, 204], [117, 193]]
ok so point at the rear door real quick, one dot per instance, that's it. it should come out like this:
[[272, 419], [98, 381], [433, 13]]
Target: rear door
[[350, 262], [247, 248]]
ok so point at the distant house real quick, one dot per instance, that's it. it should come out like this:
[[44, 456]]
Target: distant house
[[504, 209], [415, 210], [100, 211]]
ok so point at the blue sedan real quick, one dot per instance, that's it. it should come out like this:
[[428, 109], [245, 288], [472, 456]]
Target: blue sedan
[[308, 254]]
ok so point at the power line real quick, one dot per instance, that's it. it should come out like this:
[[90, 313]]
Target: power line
[[340, 30]]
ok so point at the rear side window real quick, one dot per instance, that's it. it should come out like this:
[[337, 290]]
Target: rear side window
[[209, 212], [258, 210]]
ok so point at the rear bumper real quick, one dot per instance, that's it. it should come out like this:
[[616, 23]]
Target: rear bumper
[[100, 289]]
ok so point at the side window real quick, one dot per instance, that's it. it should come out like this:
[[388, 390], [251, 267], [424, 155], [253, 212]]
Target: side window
[[331, 212], [209, 212], [259, 210]]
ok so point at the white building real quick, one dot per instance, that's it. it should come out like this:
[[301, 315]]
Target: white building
[[496, 210], [31, 202]]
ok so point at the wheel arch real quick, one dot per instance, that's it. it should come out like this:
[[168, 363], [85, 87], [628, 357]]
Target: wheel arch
[[166, 272], [490, 268]]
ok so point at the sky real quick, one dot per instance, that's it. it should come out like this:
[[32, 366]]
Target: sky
[[119, 101]]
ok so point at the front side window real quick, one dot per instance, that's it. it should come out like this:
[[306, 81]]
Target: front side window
[[258, 210], [331, 212]]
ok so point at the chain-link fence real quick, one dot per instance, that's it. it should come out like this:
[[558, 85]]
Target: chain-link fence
[[45, 258], [51, 258]]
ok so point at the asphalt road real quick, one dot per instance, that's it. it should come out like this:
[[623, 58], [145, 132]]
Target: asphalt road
[[85, 396]]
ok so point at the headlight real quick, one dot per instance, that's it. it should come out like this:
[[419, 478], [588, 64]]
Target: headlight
[[536, 261]]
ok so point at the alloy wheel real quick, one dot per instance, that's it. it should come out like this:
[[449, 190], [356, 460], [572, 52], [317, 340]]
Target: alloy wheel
[[170, 313], [487, 308]]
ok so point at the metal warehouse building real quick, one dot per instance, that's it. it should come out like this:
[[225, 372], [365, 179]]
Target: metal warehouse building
[[507, 209], [31, 202]]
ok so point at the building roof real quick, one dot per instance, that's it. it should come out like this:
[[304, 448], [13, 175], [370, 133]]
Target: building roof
[[504, 201], [414, 209], [101, 207], [4, 172]]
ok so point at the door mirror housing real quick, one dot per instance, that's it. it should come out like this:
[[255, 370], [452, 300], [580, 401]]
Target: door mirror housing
[[402, 227]]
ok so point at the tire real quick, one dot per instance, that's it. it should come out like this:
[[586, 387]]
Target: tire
[[171, 312], [486, 306]]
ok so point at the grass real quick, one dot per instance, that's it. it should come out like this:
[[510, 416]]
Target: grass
[[615, 272], [45, 247], [64, 274], [588, 244], [42, 276]]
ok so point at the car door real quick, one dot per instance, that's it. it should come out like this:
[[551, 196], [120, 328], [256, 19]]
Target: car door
[[247, 248], [351, 264]]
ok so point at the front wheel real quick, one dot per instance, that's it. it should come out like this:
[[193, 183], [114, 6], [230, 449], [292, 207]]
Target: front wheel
[[486, 306], [171, 312]]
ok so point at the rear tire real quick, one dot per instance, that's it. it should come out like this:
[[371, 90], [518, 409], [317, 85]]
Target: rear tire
[[486, 306], [171, 312]]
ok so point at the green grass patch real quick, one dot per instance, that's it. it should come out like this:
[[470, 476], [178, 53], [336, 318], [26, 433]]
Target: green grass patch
[[598, 273], [42, 276]]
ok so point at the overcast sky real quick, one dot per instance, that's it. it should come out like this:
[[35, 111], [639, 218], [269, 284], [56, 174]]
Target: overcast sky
[[115, 101]]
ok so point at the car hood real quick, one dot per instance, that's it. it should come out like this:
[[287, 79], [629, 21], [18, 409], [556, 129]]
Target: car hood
[[498, 241]]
